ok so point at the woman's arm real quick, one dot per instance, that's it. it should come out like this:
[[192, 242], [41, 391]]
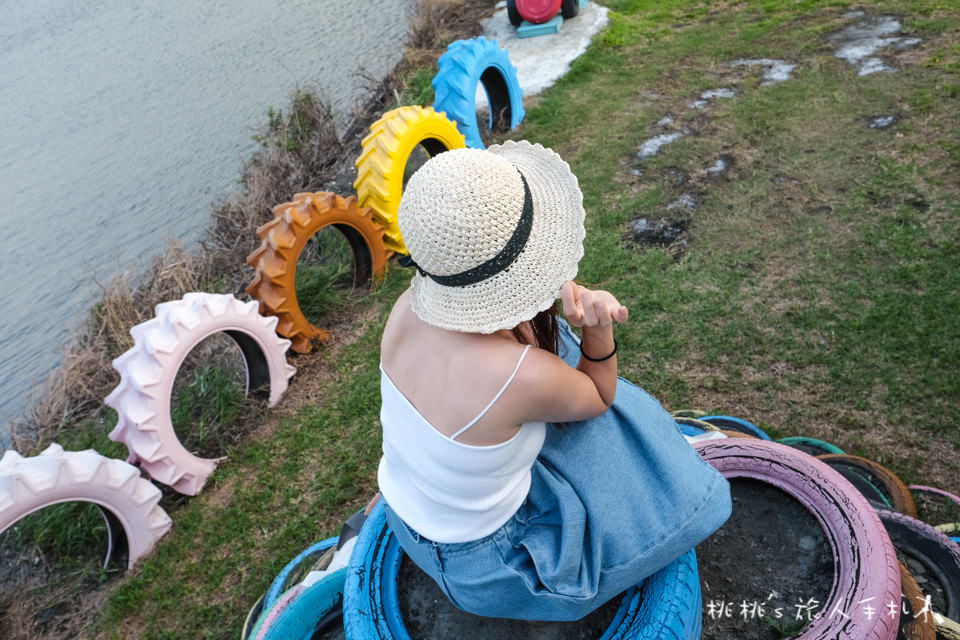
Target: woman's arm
[[557, 393]]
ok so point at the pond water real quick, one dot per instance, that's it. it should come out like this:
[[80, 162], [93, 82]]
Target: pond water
[[121, 122]]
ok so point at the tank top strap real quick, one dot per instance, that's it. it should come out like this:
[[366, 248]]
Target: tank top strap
[[496, 397]]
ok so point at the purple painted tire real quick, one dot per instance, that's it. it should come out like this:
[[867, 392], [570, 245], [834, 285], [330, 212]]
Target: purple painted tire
[[865, 564], [939, 555]]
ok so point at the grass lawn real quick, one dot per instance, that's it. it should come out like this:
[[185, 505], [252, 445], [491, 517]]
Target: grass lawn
[[813, 289]]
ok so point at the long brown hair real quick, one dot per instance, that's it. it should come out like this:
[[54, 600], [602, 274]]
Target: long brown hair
[[546, 332]]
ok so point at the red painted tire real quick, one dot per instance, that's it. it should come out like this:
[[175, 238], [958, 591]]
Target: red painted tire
[[538, 11], [865, 564]]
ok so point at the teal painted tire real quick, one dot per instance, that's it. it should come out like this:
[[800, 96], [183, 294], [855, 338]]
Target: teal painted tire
[[465, 64], [805, 444], [665, 605], [296, 569]]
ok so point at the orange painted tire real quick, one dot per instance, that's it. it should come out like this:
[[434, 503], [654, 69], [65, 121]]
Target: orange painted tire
[[283, 240], [913, 626], [887, 481]]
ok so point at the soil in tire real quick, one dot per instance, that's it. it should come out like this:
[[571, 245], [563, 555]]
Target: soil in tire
[[771, 553], [429, 615]]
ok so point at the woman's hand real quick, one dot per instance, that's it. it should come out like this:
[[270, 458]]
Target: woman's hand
[[587, 308]]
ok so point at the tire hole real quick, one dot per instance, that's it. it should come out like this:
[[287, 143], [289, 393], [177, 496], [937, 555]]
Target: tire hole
[[417, 158], [208, 398], [334, 262], [48, 557]]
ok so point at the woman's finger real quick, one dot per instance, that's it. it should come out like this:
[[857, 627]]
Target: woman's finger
[[604, 317], [571, 303], [588, 301]]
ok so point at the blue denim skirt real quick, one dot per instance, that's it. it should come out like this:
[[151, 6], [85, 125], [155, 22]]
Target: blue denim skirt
[[612, 500]]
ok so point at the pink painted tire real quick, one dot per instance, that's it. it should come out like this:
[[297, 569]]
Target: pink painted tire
[[538, 11], [149, 368], [939, 493], [865, 564], [54, 476]]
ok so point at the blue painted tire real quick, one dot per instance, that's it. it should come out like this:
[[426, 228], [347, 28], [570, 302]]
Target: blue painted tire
[[465, 64], [793, 441], [737, 424], [304, 616], [667, 604], [278, 586]]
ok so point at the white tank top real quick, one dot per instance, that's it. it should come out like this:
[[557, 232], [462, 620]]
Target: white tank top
[[446, 490]]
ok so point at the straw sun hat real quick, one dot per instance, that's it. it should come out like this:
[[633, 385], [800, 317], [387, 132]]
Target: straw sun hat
[[493, 234]]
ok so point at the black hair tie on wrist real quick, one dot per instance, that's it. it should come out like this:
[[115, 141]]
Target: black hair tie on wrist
[[606, 357]]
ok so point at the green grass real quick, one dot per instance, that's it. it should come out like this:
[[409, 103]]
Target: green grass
[[817, 294]]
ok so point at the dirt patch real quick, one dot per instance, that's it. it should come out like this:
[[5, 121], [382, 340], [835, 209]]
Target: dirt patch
[[429, 615], [770, 559]]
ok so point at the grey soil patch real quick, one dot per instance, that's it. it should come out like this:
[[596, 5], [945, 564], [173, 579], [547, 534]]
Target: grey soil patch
[[651, 147], [771, 553], [774, 71], [859, 43], [429, 615], [657, 233], [686, 201], [882, 122]]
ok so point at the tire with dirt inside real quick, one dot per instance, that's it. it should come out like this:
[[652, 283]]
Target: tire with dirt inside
[[283, 240], [665, 605], [938, 555], [865, 565]]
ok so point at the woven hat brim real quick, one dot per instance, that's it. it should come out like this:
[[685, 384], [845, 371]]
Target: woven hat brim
[[532, 283]]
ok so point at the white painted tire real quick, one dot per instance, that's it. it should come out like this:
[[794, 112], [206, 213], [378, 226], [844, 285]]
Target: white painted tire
[[148, 370], [55, 476]]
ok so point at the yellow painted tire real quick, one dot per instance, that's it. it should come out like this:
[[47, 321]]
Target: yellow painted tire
[[283, 240], [380, 167]]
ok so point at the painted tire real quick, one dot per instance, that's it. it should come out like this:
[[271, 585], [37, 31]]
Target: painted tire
[[253, 616], [730, 423], [55, 476], [465, 64], [148, 369], [947, 629], [914, 628], [294, 570], [283, 240], [802, 443], [667, 604], [893, 488], [948, 528], [308, 610], [538, 11], [939, 493], [512, 14], [569, 8], [695, 423], [865, 565], [379, 182], [688, 413], [934, 550]]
